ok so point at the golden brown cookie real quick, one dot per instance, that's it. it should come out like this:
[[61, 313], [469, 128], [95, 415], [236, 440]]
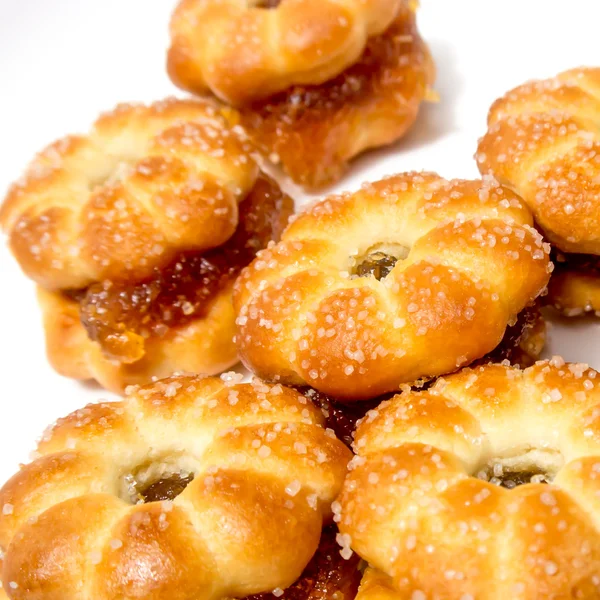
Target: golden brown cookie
[[412, 276], [147, 183], [135, 234], [189, 488], [485, 485], [543, 143]]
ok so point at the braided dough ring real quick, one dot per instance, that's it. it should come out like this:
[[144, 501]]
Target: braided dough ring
[[557, 170], [265, 472], [145, 184], [242, 50], [314, 131], [468, 263], [414, 509]]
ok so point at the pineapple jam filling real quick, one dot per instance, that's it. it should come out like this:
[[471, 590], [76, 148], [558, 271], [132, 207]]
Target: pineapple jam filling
[[120, 315], [340, 417], [302, 126], [166, 488], [264, 3], [328, 576], [533, 466], [527, 322], [583, 263], [379, 261], [159, 479]]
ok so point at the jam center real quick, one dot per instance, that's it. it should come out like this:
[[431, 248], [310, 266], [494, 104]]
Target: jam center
[[339, 416], [264, 3], [379, 260], [511, 476], [512, 479], [378, 265], [166, 488]]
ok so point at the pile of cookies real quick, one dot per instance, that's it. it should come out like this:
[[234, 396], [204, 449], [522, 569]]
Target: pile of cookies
[[400, 438]]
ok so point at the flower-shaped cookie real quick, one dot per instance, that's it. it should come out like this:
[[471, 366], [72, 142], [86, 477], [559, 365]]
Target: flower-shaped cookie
[[411, 276], [486, 486], [190, 488]]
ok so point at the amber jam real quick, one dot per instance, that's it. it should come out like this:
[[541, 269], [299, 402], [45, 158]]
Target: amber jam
[[509, 348], [583, 263], [510, 478], [167, 488], [264, 3], [120, 315], [378, 265], [327, 576], [339, 416]]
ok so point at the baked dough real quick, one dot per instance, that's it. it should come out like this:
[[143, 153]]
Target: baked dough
[[146, 183], [543, 143]]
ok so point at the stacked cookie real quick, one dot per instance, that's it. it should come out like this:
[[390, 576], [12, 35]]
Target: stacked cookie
[[135, 233], [319, 82], [400, 437]]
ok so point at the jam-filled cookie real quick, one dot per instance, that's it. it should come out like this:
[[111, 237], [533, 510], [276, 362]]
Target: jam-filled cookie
[[412, 276], [543, 142], [484, 486], [189, 488], [242, 50], [134, 234], [312, 127]]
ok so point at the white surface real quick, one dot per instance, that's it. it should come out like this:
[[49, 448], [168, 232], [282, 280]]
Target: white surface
[[64, 61]]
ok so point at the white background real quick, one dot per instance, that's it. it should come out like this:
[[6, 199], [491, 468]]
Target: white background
[[63, 61]]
